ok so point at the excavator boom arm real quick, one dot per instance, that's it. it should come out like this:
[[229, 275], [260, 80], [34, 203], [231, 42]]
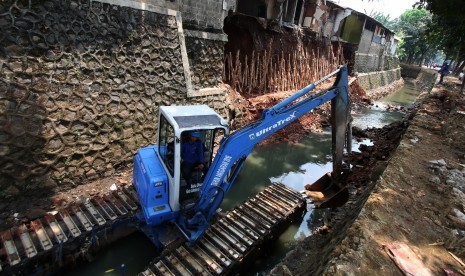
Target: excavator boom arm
[[235, 148]]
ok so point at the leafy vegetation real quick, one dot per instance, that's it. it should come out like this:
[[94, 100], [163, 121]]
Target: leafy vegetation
[[432, 32], [412, 29], [448, 25]]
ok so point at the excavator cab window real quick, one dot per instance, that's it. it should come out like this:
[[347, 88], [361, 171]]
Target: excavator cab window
[[194, 167], [166, 144]]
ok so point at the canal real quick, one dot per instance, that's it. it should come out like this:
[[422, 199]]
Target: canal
[[294, 165]]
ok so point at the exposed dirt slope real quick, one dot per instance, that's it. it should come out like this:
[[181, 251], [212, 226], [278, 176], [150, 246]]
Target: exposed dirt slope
[[416, 200]]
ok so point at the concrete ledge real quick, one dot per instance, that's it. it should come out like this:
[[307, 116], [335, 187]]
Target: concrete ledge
[[377, 72], [364, 54], [206, 92], [151, 6], [378, 79], [205, 35]]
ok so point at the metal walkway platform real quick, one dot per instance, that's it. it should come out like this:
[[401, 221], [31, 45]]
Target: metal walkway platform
[[46, 243], [31, 242], [233, 239]]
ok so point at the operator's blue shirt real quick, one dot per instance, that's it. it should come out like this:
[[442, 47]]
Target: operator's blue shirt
[[192, 153]]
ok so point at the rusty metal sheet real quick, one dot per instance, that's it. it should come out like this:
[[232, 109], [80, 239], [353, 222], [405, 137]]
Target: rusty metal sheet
[[216, 252], [126, 200], [236, 232], [132, 193], [219, 242], [10, 248], [191, 260], [262, 214], [214, 267], [42, 235], [148, 272], [69, 222], [284, 202], [104, 208], [248, 221], [94, 213], [163, 268], [288, 191], [82, 217], [116, 204], [282, 194], [26, 241], [219, 230], [246, 210], [273, 204], [265, 208], [178, 265], [59, 234], [243, 227]]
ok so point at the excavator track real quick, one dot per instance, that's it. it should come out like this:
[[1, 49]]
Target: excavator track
[[235, 237], [223, 247], [31, 242]]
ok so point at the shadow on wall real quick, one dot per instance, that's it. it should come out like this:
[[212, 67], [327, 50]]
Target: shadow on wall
[[409, 70], [80, 86], [22, 142]]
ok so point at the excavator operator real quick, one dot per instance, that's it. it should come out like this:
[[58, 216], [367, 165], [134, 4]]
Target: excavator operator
[[192, 156]]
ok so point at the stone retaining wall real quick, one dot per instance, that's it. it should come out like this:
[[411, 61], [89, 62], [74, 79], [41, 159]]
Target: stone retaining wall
[[374, 62], [378, 79], [81, 83]]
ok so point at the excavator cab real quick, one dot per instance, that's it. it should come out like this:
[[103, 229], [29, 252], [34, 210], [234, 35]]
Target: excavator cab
[[163, 189]]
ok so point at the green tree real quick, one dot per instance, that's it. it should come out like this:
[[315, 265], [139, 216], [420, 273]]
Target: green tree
[[449, 17], [384, 19], [413, 24]]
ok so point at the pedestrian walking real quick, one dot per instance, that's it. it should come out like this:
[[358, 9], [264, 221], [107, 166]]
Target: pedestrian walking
[[443, 72]]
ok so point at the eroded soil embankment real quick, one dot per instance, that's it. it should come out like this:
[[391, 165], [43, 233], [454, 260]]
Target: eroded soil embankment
[[416, 201], [247, 110]]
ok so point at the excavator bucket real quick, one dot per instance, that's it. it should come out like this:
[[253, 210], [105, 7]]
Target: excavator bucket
[[326, 193]]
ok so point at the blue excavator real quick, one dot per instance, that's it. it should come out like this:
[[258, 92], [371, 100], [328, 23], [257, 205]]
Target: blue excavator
[[190, 201]]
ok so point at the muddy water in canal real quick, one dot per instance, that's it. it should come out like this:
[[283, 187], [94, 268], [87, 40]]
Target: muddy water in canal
[[294, 165], [378, 116]]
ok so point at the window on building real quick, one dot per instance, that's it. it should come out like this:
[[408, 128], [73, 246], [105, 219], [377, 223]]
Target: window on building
[[376, 35], [332, 15], [370, 25], [298, 12], [252, 7]]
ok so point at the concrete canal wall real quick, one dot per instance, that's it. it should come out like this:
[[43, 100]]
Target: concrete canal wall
[[374, 80]]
